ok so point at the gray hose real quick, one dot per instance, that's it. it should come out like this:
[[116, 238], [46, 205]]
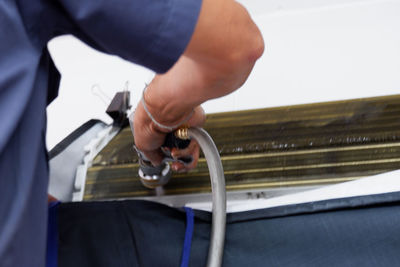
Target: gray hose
[[217, 239]]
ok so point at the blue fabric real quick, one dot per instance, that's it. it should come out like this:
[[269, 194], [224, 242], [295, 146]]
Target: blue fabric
[[357, 231], [151, 33], [52, 236], [187, 244]]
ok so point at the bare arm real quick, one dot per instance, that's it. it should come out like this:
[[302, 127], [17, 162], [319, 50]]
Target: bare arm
[[221, 54]]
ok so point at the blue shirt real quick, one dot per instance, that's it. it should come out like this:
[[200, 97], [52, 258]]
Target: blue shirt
[[151, 33]]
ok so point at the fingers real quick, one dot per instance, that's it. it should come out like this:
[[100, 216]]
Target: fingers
[[155, 156], [51, 198], [193, 151], [147, 139]]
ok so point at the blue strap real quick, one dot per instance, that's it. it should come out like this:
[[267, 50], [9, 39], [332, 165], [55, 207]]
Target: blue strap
[[52, 236], [187, 244]]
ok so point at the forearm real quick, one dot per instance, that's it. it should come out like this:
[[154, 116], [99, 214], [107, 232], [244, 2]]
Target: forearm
[[224, 47], [220, 56], [225, 36]]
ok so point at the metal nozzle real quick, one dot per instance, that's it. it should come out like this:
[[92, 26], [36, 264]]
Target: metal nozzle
[[153, 177]]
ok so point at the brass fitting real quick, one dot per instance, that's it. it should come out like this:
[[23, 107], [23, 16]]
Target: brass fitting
[[182, 133]]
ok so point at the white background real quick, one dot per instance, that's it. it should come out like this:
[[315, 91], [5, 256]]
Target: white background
[[315, 51]]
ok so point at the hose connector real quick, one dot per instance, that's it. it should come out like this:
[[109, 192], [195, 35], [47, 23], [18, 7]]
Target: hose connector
[[182, 133]]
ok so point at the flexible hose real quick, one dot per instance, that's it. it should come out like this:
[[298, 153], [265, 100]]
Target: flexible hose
[[217, 239]]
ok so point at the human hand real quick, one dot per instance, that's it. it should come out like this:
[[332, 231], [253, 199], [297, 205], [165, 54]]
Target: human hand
[[149, 137]]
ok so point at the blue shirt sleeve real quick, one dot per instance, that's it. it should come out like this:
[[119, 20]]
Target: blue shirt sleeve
[[152, 33]]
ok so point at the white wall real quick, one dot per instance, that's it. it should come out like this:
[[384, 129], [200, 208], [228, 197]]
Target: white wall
[[315, 51]]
